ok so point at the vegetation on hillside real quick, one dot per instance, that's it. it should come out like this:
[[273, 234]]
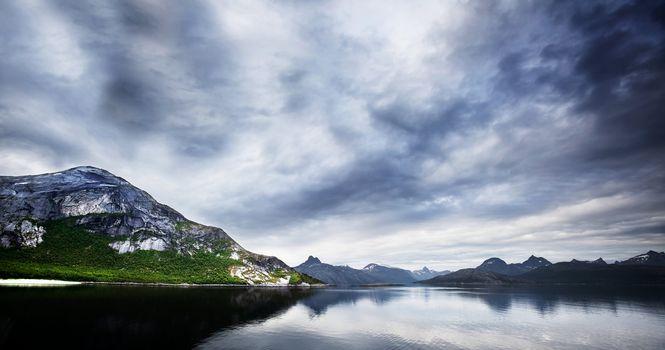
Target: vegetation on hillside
[[71, 253]]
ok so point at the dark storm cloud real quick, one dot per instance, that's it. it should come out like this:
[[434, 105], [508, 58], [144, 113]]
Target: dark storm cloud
[[367, 183], [140, 90], [130, 100], [611, 73], [621, 61], [567, 74], [24, 93]]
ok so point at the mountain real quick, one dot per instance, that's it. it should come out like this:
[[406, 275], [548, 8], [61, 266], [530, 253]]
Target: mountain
[[497, 265], [337, 275], [387, 274], [599, 261], [425, 274], [651, 258], [534, 262], [348, 276], [597, 272], [88, 224], [581, 263], [473, 277], [640, 270], [311, 261]]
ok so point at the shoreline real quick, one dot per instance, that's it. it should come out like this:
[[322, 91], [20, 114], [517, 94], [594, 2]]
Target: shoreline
[[54, 283], [28, 282]]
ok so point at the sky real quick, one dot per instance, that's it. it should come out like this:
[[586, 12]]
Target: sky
[[406, 133]]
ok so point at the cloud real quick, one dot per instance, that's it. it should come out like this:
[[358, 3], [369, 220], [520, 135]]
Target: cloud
[[433, 133]]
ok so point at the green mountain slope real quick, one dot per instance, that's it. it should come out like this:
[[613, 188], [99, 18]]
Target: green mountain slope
[[86, 224]]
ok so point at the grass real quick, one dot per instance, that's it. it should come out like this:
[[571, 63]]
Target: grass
[[69, 252]]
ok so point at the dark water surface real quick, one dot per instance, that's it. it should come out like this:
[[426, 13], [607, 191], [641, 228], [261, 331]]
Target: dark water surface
[[121, 317]]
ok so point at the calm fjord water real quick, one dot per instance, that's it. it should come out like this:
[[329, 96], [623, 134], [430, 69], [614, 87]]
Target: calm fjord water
[[365, 318]]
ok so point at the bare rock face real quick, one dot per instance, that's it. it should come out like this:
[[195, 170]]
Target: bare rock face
[[82, 191], [21, 234], [106, 204], [119, 209]]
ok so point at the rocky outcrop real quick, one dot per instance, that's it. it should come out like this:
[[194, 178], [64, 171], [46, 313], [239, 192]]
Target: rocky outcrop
[[21, 233]]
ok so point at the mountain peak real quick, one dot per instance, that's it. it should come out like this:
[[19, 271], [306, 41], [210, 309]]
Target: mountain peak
[[373, 266], [495, 265], [493, 261], [425, 273], [535, 262], [312, 260], [649, 258], [86, 168], [599, 261], [73, 179]]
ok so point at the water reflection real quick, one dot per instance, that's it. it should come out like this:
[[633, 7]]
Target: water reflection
[[118, 317], [320, 301], [434, 318], [547, 300], [361, 318]]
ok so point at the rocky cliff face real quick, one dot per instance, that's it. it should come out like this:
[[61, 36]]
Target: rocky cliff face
[[106, 204]]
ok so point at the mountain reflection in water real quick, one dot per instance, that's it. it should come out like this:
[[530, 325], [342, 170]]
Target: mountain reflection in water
[[106, 317], [120, 317], [452, 318]]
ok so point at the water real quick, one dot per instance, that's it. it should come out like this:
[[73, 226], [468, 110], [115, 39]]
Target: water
[[112, 317]]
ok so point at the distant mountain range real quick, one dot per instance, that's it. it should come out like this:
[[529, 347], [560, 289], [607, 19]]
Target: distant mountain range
[[648, 268], [370, 274]]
